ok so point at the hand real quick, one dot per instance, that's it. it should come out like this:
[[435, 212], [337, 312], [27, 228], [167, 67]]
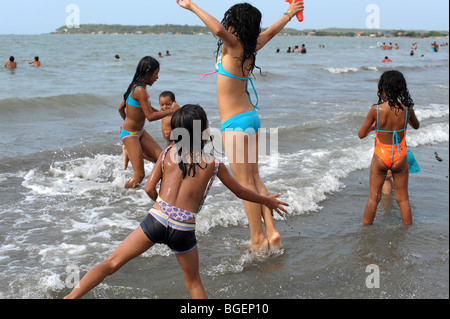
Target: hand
[[174, 107], [185, 4], [295, 8], [274, 204]]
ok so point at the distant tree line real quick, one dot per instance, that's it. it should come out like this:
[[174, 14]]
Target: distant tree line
[[186, 29]]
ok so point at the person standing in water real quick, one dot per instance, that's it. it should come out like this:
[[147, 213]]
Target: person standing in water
[[240, 38], [135, 109], [389, 118]]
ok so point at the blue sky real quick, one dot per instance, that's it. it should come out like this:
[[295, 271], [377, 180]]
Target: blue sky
[[44, 16]]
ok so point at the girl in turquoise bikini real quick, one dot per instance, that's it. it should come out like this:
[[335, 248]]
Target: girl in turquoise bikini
[[135, 109], [240, 38]]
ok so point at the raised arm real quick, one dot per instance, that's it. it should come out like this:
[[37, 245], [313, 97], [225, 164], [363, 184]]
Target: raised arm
[[274, 29], [247, 194], [212, 23]]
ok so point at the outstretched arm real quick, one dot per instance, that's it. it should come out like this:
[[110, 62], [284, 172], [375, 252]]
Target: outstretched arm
[[212, 23], [247, 194], [150, 112], [275, 28]]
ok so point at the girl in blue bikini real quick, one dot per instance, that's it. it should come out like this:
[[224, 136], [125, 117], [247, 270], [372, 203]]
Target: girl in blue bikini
[[186, 177], [135, 109], [240, 38]]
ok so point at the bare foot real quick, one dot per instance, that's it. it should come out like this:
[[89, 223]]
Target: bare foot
[[131, 183], [261, 246], [275, 242]]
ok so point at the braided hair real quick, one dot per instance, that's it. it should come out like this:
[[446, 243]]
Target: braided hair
[[246, 21], [393, 85]]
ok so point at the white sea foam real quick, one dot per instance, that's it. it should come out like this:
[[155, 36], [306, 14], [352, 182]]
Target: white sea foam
[[342, 70]]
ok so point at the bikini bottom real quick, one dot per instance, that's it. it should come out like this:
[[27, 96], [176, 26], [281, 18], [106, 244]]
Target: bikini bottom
[[161, 229], [247, 122]]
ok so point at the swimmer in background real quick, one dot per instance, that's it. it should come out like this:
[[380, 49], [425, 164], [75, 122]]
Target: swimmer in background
[[166, 100], [303, 49], [11, 64], [386, 59], [36, 63]]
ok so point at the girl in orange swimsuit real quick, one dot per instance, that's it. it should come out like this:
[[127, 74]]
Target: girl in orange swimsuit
[[390, 118]]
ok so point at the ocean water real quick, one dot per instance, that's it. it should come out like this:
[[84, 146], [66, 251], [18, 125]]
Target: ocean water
[[63, 208]]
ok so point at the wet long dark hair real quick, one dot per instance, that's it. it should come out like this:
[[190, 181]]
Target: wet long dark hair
[[144, 71], [393, 85], [246, 21], [187, 117]]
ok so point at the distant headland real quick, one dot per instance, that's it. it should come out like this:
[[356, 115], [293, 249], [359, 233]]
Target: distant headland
[[169, 29]]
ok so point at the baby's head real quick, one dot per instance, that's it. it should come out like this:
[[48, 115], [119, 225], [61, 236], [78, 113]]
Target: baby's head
[[166, 100]]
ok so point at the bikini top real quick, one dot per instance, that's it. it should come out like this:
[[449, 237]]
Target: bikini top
[[221, 70], [132, 102], [178, 213], [395, 137]]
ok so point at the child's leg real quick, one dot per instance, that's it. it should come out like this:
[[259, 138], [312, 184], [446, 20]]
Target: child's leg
[[400, 172], [189, 263], [377, 177], [273, 235], [136, 157], [236, 148], [125, 157], [134, 245], [150, 148]]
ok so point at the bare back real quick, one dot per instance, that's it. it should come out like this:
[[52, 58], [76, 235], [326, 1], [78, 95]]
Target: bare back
[[185, 193], [391, 119]]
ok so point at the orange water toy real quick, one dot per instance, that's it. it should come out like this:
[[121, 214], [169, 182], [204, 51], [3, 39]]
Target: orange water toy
[[299, 15]]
